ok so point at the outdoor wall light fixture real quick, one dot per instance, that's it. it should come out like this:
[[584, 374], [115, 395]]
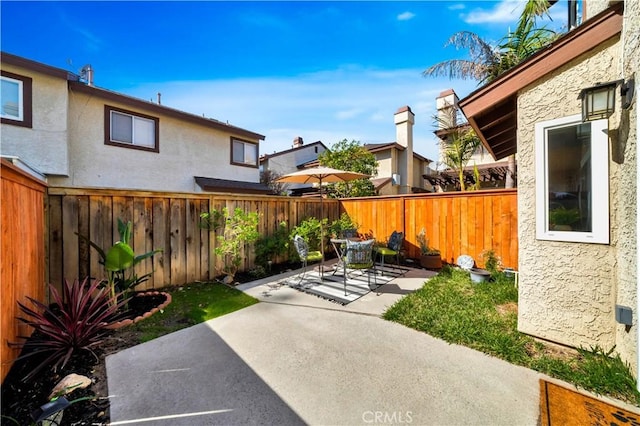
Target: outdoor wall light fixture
[[598, 102]]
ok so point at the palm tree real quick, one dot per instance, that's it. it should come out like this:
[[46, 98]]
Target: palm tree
[[460, 148], [486, 63]]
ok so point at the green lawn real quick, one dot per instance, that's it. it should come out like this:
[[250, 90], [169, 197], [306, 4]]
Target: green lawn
[[191, 304], [484, 317]]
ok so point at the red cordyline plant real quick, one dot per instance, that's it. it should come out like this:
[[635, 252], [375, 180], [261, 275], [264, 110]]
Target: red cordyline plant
[[77, 321]]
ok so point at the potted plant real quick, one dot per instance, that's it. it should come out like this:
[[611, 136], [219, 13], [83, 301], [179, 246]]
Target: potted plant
[[343, 227], [429, 257], [562, 219]]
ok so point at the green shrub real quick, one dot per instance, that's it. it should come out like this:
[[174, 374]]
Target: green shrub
[[270, 246], [232, 231], [311, 229]]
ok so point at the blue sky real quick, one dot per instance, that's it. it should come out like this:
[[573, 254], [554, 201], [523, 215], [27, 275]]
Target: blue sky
[[320, 70]]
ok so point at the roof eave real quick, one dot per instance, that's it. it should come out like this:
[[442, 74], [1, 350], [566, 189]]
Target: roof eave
[[161, 109], [502, 92]]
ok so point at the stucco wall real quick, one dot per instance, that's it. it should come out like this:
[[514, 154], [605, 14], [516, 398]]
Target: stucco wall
[[567, 290], [44, 145], [626, 339], [186, 150]]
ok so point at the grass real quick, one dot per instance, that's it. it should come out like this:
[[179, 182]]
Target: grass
[[484, 317], [192, 304]]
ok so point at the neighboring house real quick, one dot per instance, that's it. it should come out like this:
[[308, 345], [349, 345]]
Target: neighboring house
[[292, 160], [400, 169], [79, 135], [492, 174], [577, 180]]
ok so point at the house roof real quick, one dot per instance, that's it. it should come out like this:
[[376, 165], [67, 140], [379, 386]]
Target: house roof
[[377, 147], [373, 148], [225, 185], [8, 58], [492, 109], [75, 84], [287, 151]]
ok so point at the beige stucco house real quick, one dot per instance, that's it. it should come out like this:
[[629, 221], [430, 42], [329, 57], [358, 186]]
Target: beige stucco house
[[578, 277], [401, 170], [78, 135]]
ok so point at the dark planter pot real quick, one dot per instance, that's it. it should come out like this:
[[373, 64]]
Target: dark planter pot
[[431, 261]]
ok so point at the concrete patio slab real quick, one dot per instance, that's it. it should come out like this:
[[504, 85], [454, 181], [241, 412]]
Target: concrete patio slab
[[296, 358]]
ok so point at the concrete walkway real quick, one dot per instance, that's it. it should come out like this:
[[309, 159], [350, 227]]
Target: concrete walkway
[[298, 359]]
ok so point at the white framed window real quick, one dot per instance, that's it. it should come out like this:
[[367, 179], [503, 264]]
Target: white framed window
[[12, 101], [244, 153], [572, 180], [15, 99], [130, 129]]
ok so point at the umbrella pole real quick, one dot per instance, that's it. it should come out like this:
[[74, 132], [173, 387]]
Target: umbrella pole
[[321, 233]]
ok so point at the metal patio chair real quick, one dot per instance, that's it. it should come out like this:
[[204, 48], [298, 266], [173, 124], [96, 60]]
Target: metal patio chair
[[359, 255], [393, 248], [305, 255]]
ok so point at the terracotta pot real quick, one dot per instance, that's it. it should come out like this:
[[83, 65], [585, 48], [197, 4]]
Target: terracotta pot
[[431, 261]]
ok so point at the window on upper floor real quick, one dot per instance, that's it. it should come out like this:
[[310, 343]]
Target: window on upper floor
[[572, 180], [131, 129], [16, 99], [244, 153]]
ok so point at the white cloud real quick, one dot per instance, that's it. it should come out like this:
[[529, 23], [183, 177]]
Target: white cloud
[[505, 11], [457, 6], [405, 16], [508, 12], [350, 102]]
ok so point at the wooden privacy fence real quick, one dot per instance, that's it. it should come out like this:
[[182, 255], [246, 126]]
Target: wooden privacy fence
[[167, 221], [23, 253], [455, 222], [41, 243]]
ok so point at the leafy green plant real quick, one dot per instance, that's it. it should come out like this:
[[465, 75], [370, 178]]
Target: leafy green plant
[[270, 246], [492, 262], [311, 230], [342, 224], [232, 231], [423, 242], [77, 320], [120, 260]]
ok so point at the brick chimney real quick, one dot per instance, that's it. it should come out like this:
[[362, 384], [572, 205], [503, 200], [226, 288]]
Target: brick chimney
[[404, 119], [298, 142], [447, 106]]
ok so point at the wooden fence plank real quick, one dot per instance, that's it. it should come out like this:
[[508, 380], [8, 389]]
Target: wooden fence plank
[[178, 245], [70, 255], [192, 239], [22, 244], [56, 270], [161, 240], [84, 248]]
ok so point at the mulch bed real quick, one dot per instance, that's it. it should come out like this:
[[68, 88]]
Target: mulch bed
[[20, 399]]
